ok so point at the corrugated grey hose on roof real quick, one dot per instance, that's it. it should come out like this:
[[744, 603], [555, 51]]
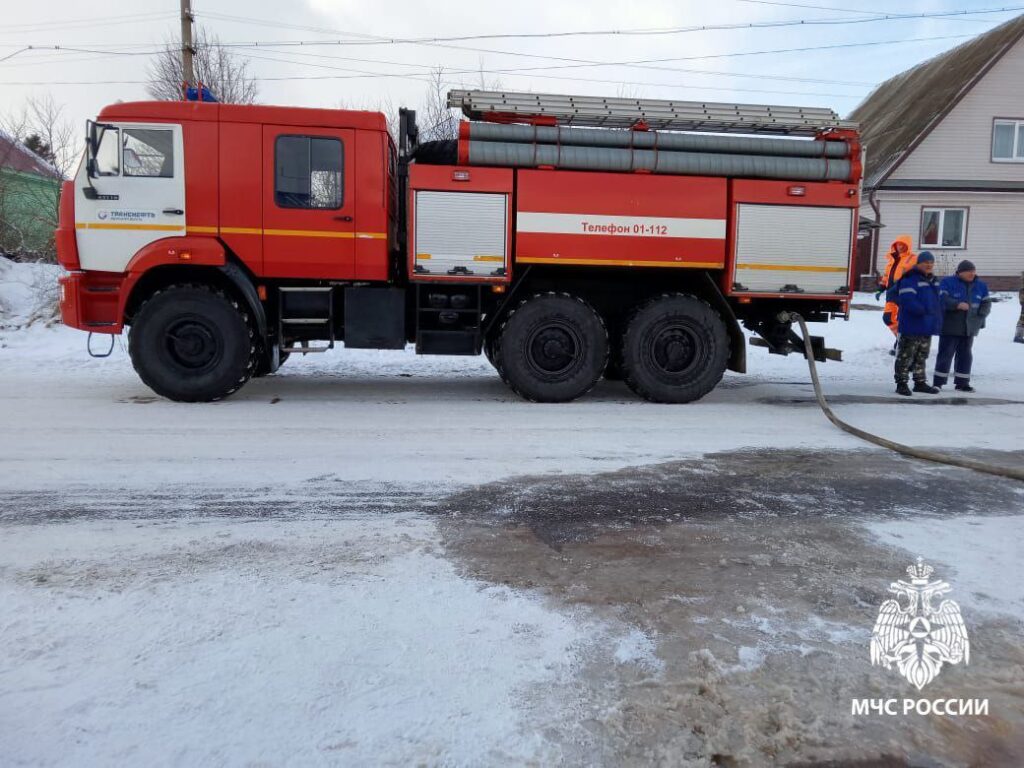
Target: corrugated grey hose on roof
[[906, 450]]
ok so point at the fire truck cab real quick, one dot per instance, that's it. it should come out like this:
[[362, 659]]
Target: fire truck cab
[[566, 240]]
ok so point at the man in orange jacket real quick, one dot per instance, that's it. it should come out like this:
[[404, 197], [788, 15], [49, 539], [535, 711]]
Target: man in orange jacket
[[901, 259]]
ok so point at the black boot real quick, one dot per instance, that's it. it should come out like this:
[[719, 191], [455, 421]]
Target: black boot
[[964, 388], [903, 389], [923, 386]]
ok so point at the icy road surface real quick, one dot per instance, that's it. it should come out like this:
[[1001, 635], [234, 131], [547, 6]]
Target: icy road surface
[[373, 558]]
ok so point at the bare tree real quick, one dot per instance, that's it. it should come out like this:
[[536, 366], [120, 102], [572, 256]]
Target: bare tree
[[438, 121], [382, 104], [29, 185], [222, 72]]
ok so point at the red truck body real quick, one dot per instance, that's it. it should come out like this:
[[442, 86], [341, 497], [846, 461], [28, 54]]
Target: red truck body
[[316, 228]]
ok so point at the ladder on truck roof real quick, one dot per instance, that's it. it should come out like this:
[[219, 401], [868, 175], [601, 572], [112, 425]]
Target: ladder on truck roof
[[657, 114]]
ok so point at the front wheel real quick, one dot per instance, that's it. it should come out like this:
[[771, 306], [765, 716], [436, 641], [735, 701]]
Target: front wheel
[[552, 348], [192, 343], [675, 350]]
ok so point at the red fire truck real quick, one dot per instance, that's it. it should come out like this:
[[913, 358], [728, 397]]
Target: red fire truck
[[565, 237]]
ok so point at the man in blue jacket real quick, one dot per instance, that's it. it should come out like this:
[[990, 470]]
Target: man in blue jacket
[[966, 304], [920, 318]]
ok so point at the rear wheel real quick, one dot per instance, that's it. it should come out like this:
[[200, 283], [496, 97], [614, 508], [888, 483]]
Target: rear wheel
[[263, 363], [552, 348], [675, 349], [192, 343]]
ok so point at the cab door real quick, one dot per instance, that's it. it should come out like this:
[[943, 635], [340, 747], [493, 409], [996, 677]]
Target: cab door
[[138, 194], [308, 202]]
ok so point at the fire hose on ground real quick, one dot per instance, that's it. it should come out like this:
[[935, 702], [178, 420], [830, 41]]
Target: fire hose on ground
[[905, 450]]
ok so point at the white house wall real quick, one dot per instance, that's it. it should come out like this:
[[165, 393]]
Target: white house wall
[[995, 228], [960, 147]]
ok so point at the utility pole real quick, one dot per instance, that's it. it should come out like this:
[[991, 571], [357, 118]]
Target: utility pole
[[187, 49]]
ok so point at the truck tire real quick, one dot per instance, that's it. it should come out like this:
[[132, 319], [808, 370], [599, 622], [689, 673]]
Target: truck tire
[[262, 367], [675, 349], [192, 343], [552, 348]]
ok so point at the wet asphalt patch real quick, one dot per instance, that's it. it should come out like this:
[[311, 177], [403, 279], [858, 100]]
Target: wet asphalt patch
[[559, 509], [755, 587]]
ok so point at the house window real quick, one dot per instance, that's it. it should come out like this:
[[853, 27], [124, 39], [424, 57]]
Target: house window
[[308, 172], [943, 227], [1008, 141]]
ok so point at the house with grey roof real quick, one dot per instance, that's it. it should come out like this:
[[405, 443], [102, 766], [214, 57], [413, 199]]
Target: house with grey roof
[[945, 159]]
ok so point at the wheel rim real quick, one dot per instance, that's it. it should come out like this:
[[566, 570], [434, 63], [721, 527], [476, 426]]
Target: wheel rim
[[193, 343], [553, 349], [673, 350]]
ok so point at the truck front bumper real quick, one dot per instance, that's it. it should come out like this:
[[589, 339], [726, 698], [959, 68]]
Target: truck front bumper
[[91, 301]]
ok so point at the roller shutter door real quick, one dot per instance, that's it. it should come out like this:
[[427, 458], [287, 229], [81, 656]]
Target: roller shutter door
[[461, 233], [792, 248]]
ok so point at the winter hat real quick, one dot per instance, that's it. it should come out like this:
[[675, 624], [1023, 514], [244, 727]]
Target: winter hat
[[965, 266], [925, 256]]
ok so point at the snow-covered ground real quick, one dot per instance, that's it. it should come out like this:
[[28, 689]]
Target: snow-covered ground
[[379, 416], [375, 558]]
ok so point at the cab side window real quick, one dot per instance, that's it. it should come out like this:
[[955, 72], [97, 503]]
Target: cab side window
[[148, 152], [308, 172], [108, 154]]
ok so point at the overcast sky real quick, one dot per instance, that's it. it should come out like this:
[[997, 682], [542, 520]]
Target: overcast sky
[[118, 38]]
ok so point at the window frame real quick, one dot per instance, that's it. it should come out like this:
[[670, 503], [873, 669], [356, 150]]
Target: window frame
[[310, 136], [1017, 153], [942, 222]]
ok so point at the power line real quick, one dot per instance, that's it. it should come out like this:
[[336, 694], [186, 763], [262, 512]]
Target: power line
[[378, 40], [584, 63], [105, 21], [573, 63], [839, 9], [366, 39], [425, 79]]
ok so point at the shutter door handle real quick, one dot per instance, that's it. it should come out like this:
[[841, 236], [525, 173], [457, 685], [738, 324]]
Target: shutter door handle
[[343, 218], [173, 211]]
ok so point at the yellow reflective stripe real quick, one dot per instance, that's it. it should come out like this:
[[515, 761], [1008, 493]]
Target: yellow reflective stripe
[[617, 263], [793, 267], [110, 225], [481, 257], [241, 231], [232, 230], [303, 233]]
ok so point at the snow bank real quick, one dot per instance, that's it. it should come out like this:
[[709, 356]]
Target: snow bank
[[28, 294]]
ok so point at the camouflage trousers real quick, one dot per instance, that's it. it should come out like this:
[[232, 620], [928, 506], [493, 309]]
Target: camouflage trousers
[[911, 357]]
